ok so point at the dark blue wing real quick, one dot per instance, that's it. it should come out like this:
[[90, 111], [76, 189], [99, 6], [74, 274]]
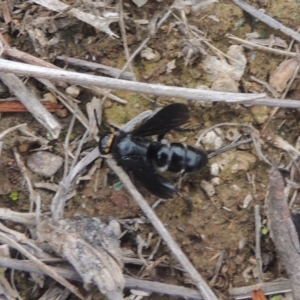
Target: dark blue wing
[[148, 177], [169, 117]]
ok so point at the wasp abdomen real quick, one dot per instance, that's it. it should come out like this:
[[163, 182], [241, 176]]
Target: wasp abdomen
[[176, 157]]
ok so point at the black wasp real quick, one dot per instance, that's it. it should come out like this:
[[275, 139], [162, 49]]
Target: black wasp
[[142, 157]]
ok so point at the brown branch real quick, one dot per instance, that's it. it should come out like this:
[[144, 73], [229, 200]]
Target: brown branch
[[16, 106]]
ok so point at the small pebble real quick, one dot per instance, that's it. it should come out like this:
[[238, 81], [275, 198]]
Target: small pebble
[[44, 163], [73, 91], [23, 147], [49, 97], [61, 112]]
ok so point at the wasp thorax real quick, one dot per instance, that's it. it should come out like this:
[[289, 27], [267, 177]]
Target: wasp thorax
[[105, 143]]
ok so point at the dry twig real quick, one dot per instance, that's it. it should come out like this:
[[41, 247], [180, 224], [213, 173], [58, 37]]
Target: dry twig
[[113, 72], [269, 288], [202, 286], [257, 242], [260, 47], [267, 19], [130, 283], [155, 89], [283, 230]]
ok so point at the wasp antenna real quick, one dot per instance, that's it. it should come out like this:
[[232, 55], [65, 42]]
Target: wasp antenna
[[97, 120], [111, 126]]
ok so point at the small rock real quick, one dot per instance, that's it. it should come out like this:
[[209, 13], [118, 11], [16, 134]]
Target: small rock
[[208, 188], [49, 97], [215, 181], [73, 91], [120, 200], [61, 112], [23, 147], [214, 169], [212, 141], [44, 163]]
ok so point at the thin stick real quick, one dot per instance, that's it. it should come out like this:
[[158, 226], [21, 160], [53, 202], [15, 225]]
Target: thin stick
[[217, 268], [155, 89], [266, 85], [113, 72], [7, 131], [124, 37], [33, 195], [49, 271], [145, 42], [202, 286], [257, 242], [130, 283], [269, 288], [260, 47], [267, 19], [229, 147]]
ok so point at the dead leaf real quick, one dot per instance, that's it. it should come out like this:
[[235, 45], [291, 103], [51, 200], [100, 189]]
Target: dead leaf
[[234, 68], [149, 54], [170, 66], [283, 73]]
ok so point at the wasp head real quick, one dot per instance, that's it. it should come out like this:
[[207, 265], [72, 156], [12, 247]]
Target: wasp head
[[106, 142]]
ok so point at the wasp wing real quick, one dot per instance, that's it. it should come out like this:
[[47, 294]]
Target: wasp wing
[[169, 117], [148, 177]]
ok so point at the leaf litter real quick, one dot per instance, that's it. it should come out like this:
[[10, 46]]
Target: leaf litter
[[224, 197]]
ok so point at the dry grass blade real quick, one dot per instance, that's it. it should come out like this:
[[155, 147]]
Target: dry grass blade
[[258, 242], [5, 132]]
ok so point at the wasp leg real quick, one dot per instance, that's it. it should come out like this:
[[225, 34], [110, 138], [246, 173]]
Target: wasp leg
[[187, 201], [182, 129]]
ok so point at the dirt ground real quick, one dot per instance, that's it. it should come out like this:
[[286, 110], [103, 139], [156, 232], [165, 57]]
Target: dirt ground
[[220, 221]]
